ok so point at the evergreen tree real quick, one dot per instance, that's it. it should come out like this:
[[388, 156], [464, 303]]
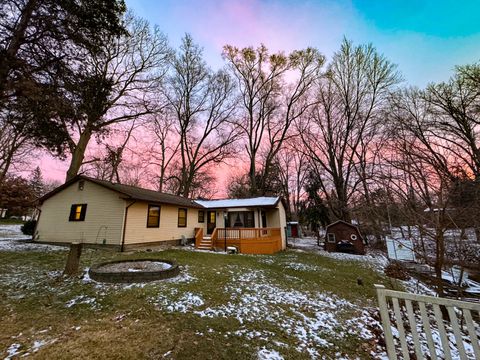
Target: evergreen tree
[[37, 183]]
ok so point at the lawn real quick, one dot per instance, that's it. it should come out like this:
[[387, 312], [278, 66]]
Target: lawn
[[295, 305]]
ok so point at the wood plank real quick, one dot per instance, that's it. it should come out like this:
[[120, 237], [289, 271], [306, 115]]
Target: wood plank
[[441, 330], [428, 330], [385, 317], [413, 326], [430, 299], [456, 332], [472, 333], [400, 328]]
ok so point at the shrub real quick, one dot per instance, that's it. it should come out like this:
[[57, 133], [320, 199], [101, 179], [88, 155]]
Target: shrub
[[29, 227], [397, 270]]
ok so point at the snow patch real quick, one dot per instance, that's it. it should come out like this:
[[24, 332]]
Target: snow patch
[[82, 299], [265, 354]]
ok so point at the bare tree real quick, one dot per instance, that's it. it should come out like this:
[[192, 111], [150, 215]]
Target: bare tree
[[423, 168], [16, 146], [270, 103], [293, 170], [108, 166], [350, 98], [201, 102], [113, 86], [165, 147]]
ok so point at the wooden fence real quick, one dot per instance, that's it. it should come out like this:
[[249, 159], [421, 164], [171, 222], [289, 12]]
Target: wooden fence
[[431, 321]]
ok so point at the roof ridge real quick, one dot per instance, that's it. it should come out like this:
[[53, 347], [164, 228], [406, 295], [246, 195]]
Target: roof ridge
[[136, 187]]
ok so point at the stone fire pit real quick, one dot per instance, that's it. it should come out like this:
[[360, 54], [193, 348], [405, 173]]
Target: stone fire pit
[[130, 271]]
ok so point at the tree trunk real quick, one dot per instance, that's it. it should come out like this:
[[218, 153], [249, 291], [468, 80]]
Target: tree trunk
[[73, 260], [78, 154], [15, 43], [252, 175], [439, 261]]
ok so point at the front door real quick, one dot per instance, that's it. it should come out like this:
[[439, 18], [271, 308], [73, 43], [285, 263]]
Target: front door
[[211, 221]]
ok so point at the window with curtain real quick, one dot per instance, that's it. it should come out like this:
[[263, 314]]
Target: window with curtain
[[77, 212], [242, 219], [182, 217], [201, 216], [153, 216]]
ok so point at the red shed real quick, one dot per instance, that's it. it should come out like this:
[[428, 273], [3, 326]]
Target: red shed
[[341, 236]]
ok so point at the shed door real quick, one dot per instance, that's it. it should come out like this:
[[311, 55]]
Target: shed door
[[294, 230]]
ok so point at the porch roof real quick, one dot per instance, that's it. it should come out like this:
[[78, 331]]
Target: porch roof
[[262, 201]]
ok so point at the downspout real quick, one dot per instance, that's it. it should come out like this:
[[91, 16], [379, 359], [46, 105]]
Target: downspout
[[36, 223], [122, 248]]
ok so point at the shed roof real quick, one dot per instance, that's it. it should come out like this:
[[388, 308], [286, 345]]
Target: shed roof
[[262, 201], [130, 192], [341, 222]]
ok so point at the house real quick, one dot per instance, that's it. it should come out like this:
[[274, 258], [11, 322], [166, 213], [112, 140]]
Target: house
[[342, 236], [252, 226], [123, 217]]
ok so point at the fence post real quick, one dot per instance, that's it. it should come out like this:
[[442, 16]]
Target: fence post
[[382, 304]]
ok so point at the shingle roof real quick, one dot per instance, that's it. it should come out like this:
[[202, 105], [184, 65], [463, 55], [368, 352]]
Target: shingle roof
[[130, 192], [236, 203]]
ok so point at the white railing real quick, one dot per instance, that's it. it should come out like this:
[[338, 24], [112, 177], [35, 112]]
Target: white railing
[[430, 328]]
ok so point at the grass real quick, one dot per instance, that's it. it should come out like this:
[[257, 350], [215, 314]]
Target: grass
[[11, 222], [221, 307]]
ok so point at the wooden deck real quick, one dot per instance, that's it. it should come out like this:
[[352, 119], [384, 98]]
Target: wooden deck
[[246, 240]]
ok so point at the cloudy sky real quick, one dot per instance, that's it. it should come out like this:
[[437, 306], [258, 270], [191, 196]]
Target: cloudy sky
[[425, 38]]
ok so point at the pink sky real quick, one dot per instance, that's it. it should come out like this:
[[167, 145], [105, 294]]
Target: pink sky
[[408, 34]]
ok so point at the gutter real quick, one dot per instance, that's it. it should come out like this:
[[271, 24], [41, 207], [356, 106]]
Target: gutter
[[122, 248]]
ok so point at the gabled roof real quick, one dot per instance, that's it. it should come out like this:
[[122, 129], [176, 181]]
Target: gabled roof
[[262, 201], [341, 222], [129, 192]]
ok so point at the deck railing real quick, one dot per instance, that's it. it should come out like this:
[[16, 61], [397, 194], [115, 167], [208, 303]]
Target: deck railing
[[249, 240], [198, 236], [430, 328]]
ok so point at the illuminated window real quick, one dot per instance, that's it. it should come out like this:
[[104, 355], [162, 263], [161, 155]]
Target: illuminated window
[[182, 217], [201, 216], [153, 216], [77, 212]]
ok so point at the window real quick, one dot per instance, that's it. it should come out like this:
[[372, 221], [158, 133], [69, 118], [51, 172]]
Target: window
[[249, 220], [182, 217], [243, 219], [331, 238], [353, 237], [77, 212], [264, 219], [153, 216], [201, 216]]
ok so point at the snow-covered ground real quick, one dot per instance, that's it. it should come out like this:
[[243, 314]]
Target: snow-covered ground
[[313, 318], [12, 239], [12, 232], [316, 319], [376, 260]]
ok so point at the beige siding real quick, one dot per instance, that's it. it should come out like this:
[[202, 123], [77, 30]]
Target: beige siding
[[103, 219], [137, 231], [283, 224], [277, 218]]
